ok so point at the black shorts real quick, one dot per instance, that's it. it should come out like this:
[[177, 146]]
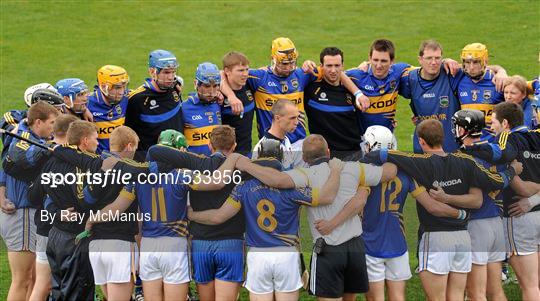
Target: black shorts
[[340, 269]]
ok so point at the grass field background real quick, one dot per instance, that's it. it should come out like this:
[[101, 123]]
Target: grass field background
[[44, 41]]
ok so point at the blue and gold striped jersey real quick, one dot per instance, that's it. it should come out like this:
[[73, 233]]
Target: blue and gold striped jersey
[[165, 203], [272, 215], [384, 230], [479, 96], [382, 94], [268, 88], [199, 120], [106, 117]]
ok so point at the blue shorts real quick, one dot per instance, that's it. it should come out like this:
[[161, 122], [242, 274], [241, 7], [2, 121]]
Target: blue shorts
[[218, 259]]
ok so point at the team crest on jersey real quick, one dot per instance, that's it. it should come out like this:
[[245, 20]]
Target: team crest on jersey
[[284, 87], [176, 96], [249, 95], [322, 96], [294, 83], [118, 109], [474, 95], [444, 102], [487, 95], [349, 99], [392, 84], [153, 104]]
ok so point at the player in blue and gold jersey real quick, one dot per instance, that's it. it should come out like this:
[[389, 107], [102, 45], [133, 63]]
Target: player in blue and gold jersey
[[272, 217], [109, 102], [201, 112], [379, 84], [387, 258], [282, 79], [476, 90], [164, 267]]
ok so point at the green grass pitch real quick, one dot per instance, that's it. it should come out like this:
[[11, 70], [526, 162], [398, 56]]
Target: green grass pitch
[[44, 41]]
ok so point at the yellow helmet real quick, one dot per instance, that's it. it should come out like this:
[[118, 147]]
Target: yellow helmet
[[109, 76], [283, 50], [475, 51]]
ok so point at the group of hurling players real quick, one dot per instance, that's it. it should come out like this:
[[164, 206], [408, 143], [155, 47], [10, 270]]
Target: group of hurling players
[[79, 208]]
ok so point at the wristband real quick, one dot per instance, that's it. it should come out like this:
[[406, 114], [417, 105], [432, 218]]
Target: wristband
[[462, 214], [534, 200], [358, 93]]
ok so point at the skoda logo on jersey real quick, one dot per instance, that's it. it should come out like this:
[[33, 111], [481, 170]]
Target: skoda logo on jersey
[[487, 95], [110, 115], [474, 94], [444, 102], [529, 155], [272, 84], [294, 83], [196, 117], [284, 87], [322, 97], [153, 104], [446, 183]]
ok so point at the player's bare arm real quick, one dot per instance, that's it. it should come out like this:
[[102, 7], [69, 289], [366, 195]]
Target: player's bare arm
[[472, 200]]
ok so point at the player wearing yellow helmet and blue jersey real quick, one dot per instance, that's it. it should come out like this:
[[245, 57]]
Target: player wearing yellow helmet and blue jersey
[[476, 89], [108, 103]]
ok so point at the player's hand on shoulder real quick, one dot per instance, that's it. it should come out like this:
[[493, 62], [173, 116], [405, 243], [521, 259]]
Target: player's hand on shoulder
[[518, 167], [309, 67], [336, 164], [364, 66], [451, 67]]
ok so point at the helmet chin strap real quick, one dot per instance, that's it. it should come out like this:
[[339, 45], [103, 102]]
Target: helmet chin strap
[[156, 80]]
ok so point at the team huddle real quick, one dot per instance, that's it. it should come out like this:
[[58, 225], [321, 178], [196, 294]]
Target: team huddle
[[225, 211]]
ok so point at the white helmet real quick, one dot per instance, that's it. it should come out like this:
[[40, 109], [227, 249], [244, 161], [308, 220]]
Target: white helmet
[[28, 93], [377, 137]]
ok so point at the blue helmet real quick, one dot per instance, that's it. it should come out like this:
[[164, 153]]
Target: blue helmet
[[161, 59], [70, 87], [207, 73]]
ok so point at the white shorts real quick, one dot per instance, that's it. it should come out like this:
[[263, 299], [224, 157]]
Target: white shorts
[[19, 230], [41, 248], [522, 234], [165, 258], [393, 269], [113, 260], [444, 252], [273, 269], [487, 240]]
